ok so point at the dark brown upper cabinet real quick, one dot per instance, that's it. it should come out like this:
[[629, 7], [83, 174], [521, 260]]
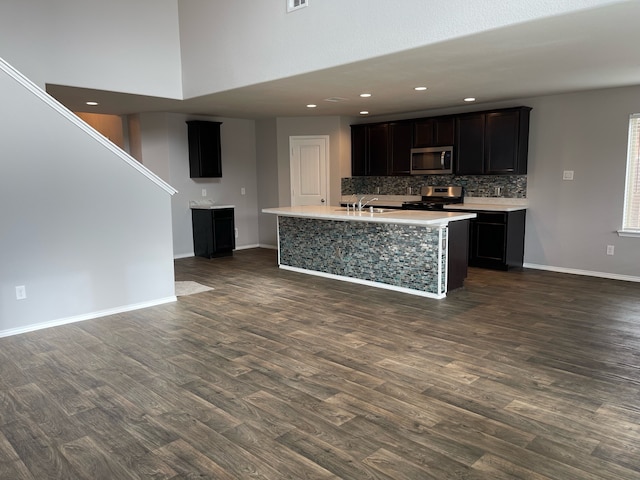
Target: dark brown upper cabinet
[[369, 149], [400, 138], [469, 146], [434, 132], [493, 142], [205, 153], [381, 149]]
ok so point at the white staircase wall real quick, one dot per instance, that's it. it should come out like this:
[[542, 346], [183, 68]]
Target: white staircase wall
[[119, 45], [83, 227]]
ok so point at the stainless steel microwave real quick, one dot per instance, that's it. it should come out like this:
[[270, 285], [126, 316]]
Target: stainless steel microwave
[[431, 160]]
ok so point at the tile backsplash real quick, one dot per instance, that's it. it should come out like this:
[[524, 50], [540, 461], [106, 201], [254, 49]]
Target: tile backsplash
[[496, 186]]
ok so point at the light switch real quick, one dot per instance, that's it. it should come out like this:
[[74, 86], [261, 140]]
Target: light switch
[[243, 191], [567, 175]]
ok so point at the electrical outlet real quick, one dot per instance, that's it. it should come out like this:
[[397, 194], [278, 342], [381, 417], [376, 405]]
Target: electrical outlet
[[610, 249], [204, 192], [567, 175], [243, 191], [21, 292], [236, 232]]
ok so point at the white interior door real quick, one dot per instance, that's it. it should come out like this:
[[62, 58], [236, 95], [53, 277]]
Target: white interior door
[[309, 170]]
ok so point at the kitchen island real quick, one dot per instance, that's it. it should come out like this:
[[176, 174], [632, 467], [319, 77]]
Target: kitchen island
[[418, 252]]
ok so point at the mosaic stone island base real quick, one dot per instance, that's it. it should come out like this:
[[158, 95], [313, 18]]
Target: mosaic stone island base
[[408, 258]]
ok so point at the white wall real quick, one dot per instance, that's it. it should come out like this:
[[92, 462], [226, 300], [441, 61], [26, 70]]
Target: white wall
[[229, 44], [165, 152], [267, 171], [570, 223], [82, 230], [272, 140], [293, 126], [118, 45]]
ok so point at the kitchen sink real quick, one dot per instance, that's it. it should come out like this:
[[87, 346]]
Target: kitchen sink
[[368, 210], [384, 210]]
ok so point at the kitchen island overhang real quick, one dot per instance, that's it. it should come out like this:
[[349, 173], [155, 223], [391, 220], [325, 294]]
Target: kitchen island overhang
[[402, 250]]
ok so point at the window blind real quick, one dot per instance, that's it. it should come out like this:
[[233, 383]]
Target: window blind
[[632, 190]]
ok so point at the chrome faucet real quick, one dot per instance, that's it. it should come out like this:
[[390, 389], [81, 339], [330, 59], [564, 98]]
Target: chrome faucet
[[362, 205]]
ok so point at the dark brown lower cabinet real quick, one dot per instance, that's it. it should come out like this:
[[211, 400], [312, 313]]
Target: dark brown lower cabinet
[[496, 240], [458, 254], [213, 232]]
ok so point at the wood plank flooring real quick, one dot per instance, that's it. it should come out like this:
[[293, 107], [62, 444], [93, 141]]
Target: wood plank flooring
[[278, 375]]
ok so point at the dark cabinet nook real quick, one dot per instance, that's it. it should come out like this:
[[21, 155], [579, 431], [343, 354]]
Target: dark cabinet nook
[[213, 232], [496, 240], [205, 156], [493, 143]]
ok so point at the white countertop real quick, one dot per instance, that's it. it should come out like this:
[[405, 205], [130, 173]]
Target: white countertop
[[486, 207], [406, 217], [207, 205], [384, 200], [487, 204], [491, 204]]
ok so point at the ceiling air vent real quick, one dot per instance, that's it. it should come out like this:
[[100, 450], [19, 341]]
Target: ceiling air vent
[[296, 4]]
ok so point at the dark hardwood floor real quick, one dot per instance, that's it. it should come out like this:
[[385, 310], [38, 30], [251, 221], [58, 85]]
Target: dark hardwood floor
[[273, 374]]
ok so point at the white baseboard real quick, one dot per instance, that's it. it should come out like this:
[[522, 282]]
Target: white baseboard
[[368, 283], [86, 316], [587, 273], [241, 247], [247, 247]]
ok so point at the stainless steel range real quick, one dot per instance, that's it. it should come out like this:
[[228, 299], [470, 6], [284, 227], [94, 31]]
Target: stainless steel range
[[435, 198]]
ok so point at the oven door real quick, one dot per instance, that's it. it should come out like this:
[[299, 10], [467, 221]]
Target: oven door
[[430, 161]]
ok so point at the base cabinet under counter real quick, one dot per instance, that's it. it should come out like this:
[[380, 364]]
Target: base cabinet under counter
[[213, 232], [496, 240]]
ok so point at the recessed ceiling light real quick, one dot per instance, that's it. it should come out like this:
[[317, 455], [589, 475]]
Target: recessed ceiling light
[[470, 99], [93, 104], [365, 95], [419, 89], [312, 105], [364, 112]]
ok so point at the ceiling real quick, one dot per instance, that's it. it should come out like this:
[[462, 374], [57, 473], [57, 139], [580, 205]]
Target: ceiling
[[586, 50]]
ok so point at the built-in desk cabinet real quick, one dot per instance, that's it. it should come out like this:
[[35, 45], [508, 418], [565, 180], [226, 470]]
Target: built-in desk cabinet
[[213, 232]]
